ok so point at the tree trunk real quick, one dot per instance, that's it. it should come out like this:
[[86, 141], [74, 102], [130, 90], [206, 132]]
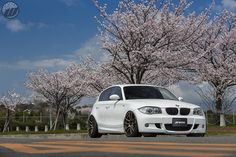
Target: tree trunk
[[218, 102], [56, 120], [64, 117], [219, 108], [222, 120], [7, 121]]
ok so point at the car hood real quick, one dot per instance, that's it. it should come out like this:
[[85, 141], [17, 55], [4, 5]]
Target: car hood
[[137, 103]]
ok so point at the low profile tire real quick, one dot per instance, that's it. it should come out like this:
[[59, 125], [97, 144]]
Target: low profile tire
[[131, 125], [149, 135], [196, 135], [93, 128]]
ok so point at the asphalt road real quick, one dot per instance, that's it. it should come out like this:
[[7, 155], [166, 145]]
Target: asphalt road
[[118, 146]]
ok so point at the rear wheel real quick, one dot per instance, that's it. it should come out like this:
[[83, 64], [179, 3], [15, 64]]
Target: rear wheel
[[93, 128], [131, 125], [196, 135]]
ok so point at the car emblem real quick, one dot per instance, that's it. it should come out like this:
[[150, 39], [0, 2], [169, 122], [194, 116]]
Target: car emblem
[[177, 106]]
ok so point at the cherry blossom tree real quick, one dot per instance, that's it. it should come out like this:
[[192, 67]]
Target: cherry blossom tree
[[209, 97], [218, 66], [10, 101], [77, 85], [61, 89], [148, 39], [50, 86], [100, 76]]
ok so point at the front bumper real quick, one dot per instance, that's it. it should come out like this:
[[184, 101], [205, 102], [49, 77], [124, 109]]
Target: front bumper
[[163, 124]]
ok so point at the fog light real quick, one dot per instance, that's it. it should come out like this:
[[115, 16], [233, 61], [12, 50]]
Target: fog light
[[146, 125]]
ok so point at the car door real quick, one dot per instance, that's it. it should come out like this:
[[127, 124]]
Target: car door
[[116, 111], [102, 105]]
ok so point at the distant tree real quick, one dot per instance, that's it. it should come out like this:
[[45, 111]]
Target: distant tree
[[61, 89], [10, 101], [77, 85], [208, 96]]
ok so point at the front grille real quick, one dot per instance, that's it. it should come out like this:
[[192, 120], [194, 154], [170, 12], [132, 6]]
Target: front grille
[[172, 111], [174, 128], [184, 111]]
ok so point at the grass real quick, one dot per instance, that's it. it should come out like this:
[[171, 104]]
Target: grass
[[42, 132], [213, 130]]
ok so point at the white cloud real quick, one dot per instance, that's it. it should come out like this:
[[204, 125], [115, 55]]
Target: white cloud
[[45, 63], [54, 63], [231, 4], [92, 47], [70, 3], [16, 25]]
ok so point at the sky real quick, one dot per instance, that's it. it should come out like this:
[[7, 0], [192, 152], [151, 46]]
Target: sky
[[54, 33]]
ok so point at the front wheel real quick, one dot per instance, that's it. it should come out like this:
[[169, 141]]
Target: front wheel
[[131, 125], [93, 128]]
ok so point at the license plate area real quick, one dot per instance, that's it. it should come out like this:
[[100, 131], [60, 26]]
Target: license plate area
[[179, 122]]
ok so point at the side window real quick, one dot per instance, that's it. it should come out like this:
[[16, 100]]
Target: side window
[[117, 91], [106, 94]]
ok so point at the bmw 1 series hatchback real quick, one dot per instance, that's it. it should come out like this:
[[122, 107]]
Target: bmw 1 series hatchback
[[147, 110]]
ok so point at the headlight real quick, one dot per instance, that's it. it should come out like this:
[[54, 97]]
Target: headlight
[[198, 111], [150, 110]]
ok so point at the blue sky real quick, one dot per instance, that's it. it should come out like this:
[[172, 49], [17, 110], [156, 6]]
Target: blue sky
[[52, 34]]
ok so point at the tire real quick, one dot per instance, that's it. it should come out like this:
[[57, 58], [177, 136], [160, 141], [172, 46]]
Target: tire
[[149, 135], [131, 125], [196, 135], [93, 128]]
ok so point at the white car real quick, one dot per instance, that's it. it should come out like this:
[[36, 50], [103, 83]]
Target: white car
[[147, 110]]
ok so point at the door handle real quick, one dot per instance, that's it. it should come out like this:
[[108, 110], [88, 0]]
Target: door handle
[[97, 107], [107, 107]]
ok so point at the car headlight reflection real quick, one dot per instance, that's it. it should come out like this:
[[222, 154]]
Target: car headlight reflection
[[150, 110], [198, 111]]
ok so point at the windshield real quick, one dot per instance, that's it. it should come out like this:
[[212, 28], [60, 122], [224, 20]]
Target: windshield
[[147, 92]]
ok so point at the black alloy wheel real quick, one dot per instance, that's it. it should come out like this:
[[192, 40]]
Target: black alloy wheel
[[131, 125], [93, 128]]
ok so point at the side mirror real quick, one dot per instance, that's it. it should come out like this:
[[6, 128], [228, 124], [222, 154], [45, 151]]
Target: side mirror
[[114, 97], [181, 99]]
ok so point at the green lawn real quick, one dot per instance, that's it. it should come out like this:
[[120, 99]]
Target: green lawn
[[213, 130], [42, 132]]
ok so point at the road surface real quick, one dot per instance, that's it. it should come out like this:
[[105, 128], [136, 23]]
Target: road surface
[[119, 146]]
